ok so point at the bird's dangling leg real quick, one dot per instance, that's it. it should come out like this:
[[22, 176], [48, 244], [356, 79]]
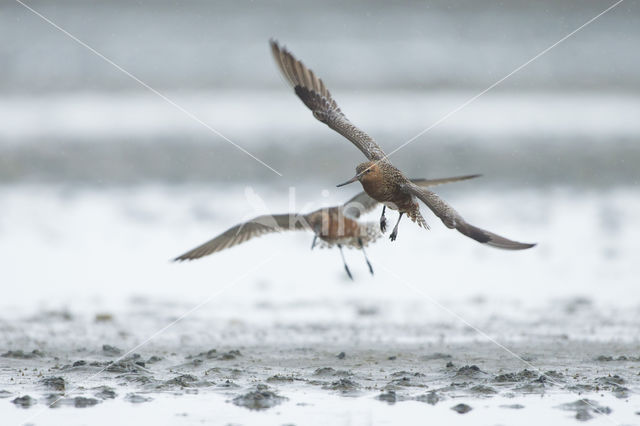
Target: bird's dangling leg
[[346, 268], [365, 256], [383, 221], [313, 243], [394, 233]]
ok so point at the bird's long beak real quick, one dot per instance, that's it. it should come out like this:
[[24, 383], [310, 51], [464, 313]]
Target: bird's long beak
[[353, 179]]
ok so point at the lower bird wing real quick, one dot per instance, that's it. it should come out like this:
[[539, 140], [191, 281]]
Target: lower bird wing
[[361, 203], [315, 95], [452, 219], [245, 231]]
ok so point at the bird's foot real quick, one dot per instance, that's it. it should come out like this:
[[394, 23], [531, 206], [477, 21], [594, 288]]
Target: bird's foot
[[394, 234], [383, 224]]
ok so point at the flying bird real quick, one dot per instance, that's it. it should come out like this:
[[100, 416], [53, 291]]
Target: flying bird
[[331, 226], [380, 179]]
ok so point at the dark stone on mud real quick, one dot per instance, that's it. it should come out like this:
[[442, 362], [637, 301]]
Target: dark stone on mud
[[513, 406], [135, 398], [449, 365], [19, 354], [79, 363], [430, 398], [392, 358], [4, 394], [483, 390], [54, 383], [389, 397], [109, 350], [153, 359], [105, 392], [461, 408], [25, 401], [584, 408], [260, 399], [435, 355], [341, 355], [343, 385]]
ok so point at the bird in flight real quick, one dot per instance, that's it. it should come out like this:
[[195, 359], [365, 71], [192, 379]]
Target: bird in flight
[[331, 226], [381, 180]]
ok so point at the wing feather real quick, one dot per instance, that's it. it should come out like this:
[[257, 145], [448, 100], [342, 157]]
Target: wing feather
[[361, 203], [245, 231], [315, 95], [453, 220]]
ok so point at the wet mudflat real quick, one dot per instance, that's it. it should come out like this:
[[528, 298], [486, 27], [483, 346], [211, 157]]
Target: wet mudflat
[[104, 329], [205, 370]]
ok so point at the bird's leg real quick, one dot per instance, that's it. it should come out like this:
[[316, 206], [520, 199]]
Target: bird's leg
[[365, 256], [313, 243], [346, 268], [394, 233], [383, 221]]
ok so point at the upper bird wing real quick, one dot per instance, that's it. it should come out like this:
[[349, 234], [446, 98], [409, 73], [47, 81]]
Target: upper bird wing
[[361, 203], [452, 219], [245, 231], [312, 91]]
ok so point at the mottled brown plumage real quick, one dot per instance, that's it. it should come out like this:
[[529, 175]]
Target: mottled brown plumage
[[379, 178], [332, 226]]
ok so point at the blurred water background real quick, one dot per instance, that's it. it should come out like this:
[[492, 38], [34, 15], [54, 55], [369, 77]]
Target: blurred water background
[[104, 181]]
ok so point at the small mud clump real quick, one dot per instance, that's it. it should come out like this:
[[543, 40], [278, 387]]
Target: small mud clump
[[469, 371], [388, 397], [435, 355], [109, 350], [430, 398], [135, 398], [585, 408], [483, 390], [515, 377], [341, 355], [461, 408], [83, 402], [19, 354], [328, 371], [54, 383], [279, 378], [105, 392], [25, 401], [343, 385], [260, 399]]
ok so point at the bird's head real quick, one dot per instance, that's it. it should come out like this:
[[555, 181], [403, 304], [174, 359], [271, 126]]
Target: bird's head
[[364, 172]]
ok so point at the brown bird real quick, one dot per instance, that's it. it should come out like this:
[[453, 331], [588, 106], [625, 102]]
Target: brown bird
[[380, 179], [334, 226]]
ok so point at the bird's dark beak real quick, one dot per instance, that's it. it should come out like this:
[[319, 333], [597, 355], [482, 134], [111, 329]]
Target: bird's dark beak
[[353, 179]]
